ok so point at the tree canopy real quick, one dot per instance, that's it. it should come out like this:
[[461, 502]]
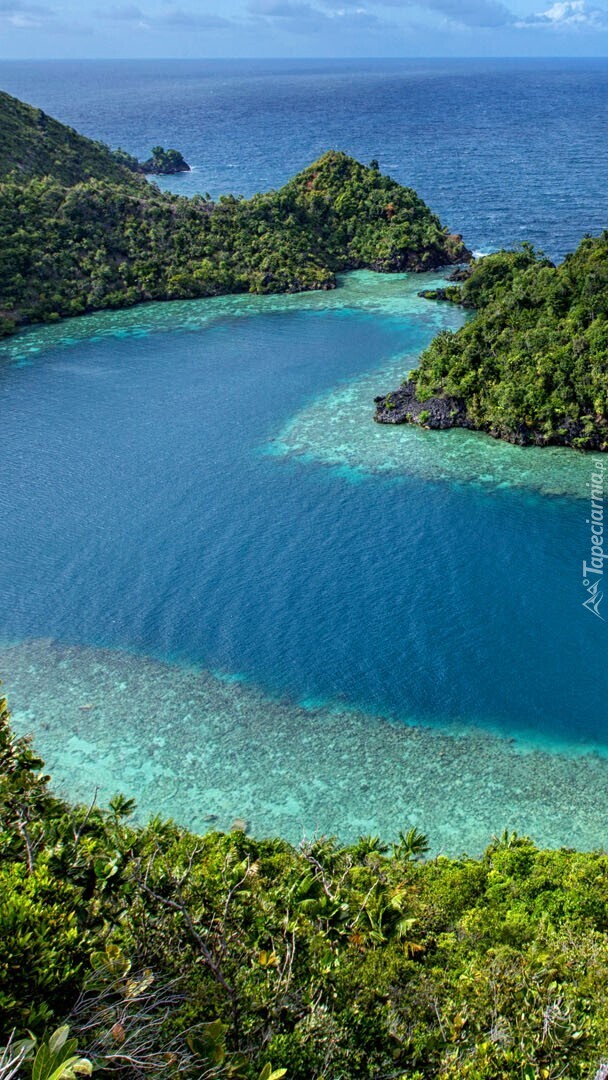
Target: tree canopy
[[80, 231], [532, 363]]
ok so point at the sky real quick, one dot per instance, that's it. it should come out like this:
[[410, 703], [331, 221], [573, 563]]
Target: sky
[[79, 29]]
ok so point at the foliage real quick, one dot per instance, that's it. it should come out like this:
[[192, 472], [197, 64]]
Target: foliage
[[84, 233], [55, 1058], [226, 956], [33, 144], [532, 364]]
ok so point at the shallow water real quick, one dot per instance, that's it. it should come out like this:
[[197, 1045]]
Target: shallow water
[[261, 591], [207, 750], [278, 609], [335, 430]]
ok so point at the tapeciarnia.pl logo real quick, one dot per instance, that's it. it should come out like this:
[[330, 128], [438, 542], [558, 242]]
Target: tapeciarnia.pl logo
[[593, 571]]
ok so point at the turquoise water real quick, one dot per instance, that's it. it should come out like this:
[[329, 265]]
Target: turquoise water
[[208, 749], [228, 592]]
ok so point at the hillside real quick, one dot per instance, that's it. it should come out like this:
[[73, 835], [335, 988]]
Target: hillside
[[85, 233], [531, 366], [33, 144], [363, 218]]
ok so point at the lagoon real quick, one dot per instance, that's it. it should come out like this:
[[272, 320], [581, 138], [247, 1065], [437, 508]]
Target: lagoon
[[276, 608]]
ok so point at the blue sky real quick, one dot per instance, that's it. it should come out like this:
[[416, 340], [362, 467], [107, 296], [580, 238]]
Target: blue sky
[[301, 28]]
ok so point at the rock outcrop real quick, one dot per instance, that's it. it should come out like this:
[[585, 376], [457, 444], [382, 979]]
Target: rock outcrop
[[402, 407]]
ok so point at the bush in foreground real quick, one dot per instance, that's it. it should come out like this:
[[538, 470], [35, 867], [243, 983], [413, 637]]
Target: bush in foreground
[[222, 955]]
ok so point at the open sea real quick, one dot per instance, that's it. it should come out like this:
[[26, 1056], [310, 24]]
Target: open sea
[[226, 591]]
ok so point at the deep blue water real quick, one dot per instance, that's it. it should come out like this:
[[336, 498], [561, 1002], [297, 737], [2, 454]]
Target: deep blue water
[[140, 511], [503, 150]]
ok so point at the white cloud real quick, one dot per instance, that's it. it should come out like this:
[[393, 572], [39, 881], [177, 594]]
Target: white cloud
[[472, 13], [568, 15], [304, 18]]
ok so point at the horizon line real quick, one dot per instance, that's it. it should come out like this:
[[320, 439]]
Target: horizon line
[[285, 59]]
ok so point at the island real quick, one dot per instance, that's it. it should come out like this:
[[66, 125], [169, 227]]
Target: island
[[134, 948], [81, 231], [531, 364], [164, 163], [161, 162]]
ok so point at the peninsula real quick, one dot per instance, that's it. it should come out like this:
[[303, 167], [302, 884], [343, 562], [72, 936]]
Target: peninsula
[[81, 231]]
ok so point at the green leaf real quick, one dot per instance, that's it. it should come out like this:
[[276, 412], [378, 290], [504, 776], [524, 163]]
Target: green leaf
[[58, 1039], [56, 1059], [209, 1042], [25, 1048], [42, 1063], [268, 1073]]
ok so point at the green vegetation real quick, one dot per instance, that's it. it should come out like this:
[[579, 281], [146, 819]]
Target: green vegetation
[[33, 144], [148, 951], [160, 162], [79, 231], [532, 365]]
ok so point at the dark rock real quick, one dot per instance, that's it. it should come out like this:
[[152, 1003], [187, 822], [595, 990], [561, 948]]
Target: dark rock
[[453, 254], [441, 413], [461, 273], [148, 168], [435, 294], [402, 407], [164, 163]]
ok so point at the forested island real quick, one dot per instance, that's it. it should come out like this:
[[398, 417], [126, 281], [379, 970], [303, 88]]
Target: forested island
[[531, 366], [143, 950], [160, 163], [80, 231]]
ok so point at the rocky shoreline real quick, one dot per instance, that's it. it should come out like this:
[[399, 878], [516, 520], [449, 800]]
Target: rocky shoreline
[[454, 254], [150, 168], [402, 407], [441, 413]]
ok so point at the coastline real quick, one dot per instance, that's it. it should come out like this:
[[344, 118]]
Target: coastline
[[337, 429], [448, 413], [440, 268]]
